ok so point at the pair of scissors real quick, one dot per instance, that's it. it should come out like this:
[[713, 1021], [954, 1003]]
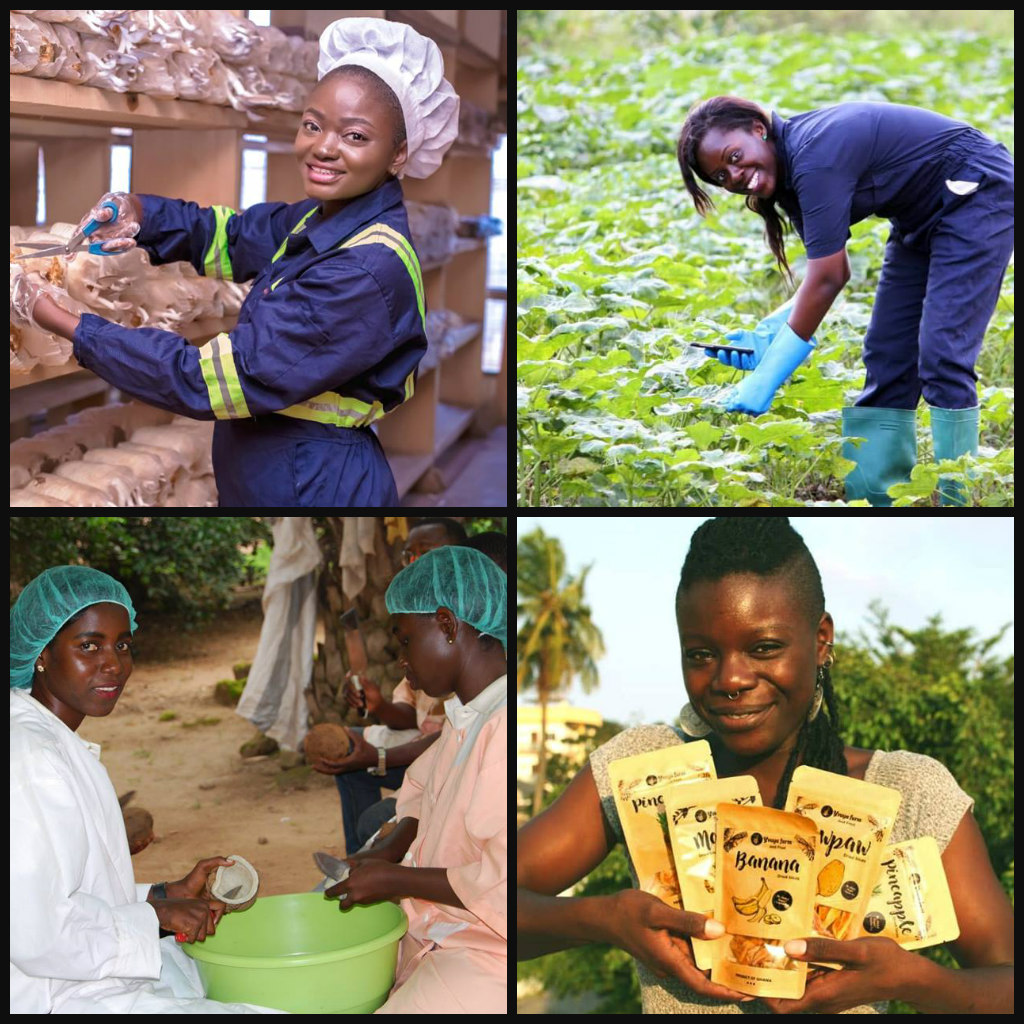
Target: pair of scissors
[[74, 244]]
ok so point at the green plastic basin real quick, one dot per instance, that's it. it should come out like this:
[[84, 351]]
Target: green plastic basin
[[302, 954]]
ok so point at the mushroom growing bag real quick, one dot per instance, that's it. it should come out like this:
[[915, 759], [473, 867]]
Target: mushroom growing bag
[[640, 784]]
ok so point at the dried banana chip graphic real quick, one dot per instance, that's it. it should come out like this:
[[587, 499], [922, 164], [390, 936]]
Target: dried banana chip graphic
[[830, 878]]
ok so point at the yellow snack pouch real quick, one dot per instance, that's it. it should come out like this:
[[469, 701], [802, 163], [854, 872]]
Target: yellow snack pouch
[[692, 817], [639, 784], [911, 903], [854, 819], [764, 895]]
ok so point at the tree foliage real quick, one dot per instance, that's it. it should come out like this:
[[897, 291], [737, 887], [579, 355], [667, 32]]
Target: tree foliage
[[184, 565]]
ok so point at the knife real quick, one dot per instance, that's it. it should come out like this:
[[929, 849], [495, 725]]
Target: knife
[[334, 869]]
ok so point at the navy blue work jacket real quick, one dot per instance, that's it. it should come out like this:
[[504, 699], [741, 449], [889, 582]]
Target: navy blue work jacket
[[840, 164], [330, 334]]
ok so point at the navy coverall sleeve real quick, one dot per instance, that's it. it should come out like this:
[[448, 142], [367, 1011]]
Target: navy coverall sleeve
[[216, 240], [826, 210], [307, 336]]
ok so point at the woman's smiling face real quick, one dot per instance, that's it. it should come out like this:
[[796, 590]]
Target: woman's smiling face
[[86, 665], [347, 130], [739, 160], [746, 647]]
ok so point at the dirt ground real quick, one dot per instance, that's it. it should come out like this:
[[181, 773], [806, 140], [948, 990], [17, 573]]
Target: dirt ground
[[206, 800]]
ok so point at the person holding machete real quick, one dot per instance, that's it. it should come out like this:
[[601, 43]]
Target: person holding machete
[[409, 722], [947, 190]]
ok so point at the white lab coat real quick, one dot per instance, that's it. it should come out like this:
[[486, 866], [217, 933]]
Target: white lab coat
[[83, 938]]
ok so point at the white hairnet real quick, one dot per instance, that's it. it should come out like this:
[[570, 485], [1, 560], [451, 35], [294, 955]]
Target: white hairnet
[[47, 603], [412, 67]]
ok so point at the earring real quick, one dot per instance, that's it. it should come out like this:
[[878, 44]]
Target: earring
[[691, 723], [39, 668], [819, 692], [450, 640], [819, 687]]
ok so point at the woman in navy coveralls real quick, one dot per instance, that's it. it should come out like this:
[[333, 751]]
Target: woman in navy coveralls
[[947, 190], [329, 337]]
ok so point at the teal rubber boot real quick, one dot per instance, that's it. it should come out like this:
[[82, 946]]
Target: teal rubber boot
[[887, 455], [954, 433]]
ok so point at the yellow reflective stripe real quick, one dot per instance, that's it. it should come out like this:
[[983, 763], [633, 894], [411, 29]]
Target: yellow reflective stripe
[[217, 363], [330, 407], [335, 410], [399, 244], [216, 262], [298, 229]]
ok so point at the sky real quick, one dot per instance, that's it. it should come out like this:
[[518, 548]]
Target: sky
[[961, 568]]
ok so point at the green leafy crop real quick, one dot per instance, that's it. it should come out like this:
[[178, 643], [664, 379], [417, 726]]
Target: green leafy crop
[[616, 273]]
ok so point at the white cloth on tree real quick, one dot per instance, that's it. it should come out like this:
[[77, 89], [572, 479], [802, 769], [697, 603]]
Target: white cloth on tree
[[283, 664], [357, 543]]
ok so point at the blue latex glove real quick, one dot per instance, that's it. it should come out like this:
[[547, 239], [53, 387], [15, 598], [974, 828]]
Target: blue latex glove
[[754, 394], [758, 339]]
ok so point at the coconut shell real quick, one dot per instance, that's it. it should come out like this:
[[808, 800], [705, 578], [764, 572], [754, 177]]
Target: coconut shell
[[138, 824], [327, 741], [240, 879]]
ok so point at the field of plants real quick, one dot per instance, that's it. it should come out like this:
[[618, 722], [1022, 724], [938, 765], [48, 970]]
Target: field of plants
[[616, 273]]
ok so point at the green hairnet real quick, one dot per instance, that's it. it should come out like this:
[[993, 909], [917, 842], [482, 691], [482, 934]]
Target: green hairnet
[[461, 579], [48, 602]]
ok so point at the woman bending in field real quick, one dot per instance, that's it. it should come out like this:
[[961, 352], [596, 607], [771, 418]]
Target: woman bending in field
[[947, 190]]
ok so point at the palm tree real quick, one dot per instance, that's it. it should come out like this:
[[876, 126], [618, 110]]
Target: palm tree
[[556, 637]]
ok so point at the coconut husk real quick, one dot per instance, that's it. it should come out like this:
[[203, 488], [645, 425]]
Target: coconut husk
[[138, 824], [327, 741]]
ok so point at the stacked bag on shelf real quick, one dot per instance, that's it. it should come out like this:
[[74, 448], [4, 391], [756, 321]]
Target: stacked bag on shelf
[[125, 455], [210, 56]]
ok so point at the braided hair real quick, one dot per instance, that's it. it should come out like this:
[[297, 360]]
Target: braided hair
[[771, 547]]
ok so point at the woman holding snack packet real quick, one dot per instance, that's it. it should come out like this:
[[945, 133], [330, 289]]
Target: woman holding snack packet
[[757, 649]]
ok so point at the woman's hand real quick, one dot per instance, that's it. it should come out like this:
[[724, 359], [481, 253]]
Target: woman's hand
[[874, 970], [124, 228], [362, 755], [754, 393], [369, 881], [657, 935], [35, 301], [370, 698], [757, 339], [193, 885], [195, 919]]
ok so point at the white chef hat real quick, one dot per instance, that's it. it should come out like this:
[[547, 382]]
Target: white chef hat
[[412, 66]]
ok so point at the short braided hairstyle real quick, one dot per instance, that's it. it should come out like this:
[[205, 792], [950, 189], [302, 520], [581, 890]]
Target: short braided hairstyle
[[769, 546]]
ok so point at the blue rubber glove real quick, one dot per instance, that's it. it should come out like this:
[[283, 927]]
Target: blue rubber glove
[[754, 394], [758, 339]]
